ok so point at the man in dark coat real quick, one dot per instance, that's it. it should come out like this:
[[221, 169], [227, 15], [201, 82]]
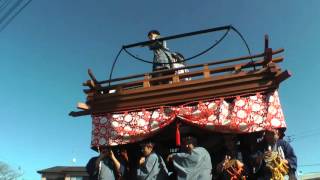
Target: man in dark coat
[[273, 143]]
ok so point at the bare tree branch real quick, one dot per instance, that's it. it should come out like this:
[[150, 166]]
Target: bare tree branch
[[6, 173]]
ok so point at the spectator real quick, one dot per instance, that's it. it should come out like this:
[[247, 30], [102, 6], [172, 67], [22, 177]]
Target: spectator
[[274, 144], [192, 164], [151, 165], [103, 167]]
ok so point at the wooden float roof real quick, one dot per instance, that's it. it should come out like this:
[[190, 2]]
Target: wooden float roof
[[216, 79]]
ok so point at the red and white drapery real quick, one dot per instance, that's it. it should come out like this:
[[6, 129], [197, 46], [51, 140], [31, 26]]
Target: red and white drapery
[[241, 115]]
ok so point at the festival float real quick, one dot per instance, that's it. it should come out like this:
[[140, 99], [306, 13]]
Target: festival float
[[237, 95]]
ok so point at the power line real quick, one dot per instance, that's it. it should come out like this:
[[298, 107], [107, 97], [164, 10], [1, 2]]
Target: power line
[[15, 6], [303, 135], [306, 131], [4, 5], [11, 9], [304, 165]]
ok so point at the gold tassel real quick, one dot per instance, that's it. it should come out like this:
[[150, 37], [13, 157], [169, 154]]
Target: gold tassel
[[277, 165]]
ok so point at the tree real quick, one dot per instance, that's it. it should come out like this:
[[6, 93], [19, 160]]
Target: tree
[[6, 173]]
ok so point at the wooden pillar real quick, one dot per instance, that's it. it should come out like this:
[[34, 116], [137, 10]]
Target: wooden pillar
[[146, 80], [237, 68], [175, 78], [206, 71], [267, 56], [267, 51], [266, 42], [90, 95], [119, 89]]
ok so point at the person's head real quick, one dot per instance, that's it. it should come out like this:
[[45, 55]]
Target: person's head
[[271, 136], [189, 143], [230, 141], [147, 148], [153, 34], [104, 151], [256, 158], [122, 151]]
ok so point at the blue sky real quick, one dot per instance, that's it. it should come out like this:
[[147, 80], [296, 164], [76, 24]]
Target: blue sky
[[47, 48]]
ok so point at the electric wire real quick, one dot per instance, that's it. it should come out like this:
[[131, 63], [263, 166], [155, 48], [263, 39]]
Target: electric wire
[[15, 15], [304, 165], [303, 135], [11, 9], [4, 5]]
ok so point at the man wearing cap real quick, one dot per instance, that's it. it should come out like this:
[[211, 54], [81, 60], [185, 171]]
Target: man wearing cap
[[162, 56], [192, 164]]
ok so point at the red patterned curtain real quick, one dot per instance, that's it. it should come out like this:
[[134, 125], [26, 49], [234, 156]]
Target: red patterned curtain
[[241, 115]]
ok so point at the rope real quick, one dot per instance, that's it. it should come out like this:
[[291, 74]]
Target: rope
[[245, 42], [186, 59], [113, 65], [214, 45], [140, 59]]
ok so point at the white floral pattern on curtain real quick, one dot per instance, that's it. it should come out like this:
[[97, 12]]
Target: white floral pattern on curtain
[[241, 115]]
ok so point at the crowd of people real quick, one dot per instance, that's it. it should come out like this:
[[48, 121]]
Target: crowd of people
[[265, 157]]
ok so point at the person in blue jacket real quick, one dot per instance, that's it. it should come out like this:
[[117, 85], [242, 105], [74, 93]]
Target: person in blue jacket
[[151, 165], [194, 163], [105, 166]]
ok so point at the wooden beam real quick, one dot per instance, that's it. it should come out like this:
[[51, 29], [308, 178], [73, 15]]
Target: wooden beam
[[283, 76], [215, 62], [199, 83], [90, 83], [79, 113], [129, 107], [250, 84], [92, 75], [188, 75], [83, 106], [143, 91]]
